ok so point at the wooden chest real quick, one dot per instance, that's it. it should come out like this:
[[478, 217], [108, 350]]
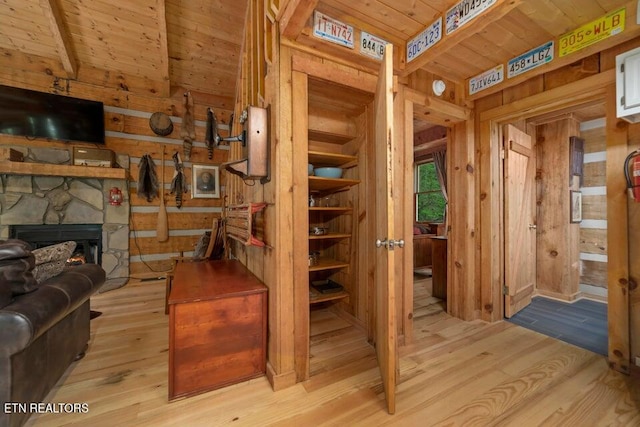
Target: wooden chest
[[217, 327]]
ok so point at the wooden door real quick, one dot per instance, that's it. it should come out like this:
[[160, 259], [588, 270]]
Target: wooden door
[[386, 327], [519, 219]]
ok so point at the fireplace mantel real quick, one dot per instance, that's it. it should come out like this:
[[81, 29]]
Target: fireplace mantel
[[46, 169]]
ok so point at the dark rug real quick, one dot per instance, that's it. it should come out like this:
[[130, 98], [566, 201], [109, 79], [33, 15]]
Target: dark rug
[[93, 314], [582, 323]]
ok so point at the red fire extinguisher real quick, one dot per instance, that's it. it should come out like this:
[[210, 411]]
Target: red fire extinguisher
[[632, 174]]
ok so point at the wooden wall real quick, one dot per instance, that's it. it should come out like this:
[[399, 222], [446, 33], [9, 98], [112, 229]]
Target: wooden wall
[[634, 262], [557, 263], [127, 132]]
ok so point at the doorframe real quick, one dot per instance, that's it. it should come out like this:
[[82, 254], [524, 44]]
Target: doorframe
[[599, 87], [459, 123]]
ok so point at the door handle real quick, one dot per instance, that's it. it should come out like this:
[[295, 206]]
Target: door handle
[[532, 226], [390, 244]]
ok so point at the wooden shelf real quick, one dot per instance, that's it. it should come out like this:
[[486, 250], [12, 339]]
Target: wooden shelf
[[329, 236], [46, 169], [328, 264], [320, 159], [332, 138], [316, 297], [335, 209], [317, 183]]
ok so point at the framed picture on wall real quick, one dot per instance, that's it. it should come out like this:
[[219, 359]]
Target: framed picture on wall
[[205, 181], [576, 206]]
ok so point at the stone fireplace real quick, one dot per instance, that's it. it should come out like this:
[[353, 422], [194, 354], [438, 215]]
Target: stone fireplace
[[59, 200]]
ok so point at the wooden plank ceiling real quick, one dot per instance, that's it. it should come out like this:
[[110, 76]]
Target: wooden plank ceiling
[[175, 44], [505, 30], [196, 44]]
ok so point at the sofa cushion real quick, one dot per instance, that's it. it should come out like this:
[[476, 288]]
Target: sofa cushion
[[29, 316], [51, 260], [16, 265]]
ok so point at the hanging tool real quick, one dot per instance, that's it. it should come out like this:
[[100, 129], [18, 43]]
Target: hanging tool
[[162, 231], [179, 182], [210, 134], [188, 127], [147, 178]]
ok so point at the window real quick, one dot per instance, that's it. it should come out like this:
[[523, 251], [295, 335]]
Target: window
[[430, 203]]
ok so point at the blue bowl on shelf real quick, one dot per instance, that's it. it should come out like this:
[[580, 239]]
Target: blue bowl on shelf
[[328, 172], [310, 169]]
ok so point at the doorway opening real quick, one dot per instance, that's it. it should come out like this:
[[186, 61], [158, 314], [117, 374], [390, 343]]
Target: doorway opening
[[569, 227], [429, 217]]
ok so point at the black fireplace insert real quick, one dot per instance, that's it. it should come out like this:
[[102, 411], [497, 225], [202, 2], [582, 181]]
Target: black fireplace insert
[[88, 237]]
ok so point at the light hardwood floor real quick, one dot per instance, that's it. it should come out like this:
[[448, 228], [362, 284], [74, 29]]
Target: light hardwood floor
[[455, 373]]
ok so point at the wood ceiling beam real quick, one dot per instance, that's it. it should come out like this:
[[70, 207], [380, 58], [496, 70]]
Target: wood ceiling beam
[[488, 17], [435, 110], [164, 49], [60, 36], [295, 16]]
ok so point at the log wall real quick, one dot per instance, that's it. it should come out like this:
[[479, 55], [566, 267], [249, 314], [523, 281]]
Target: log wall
[[127, 115], [593, 228]]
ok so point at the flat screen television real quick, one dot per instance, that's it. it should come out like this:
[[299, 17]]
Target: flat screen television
[[44, 115]]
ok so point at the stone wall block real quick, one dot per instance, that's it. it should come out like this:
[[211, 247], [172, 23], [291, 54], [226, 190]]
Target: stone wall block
[[46, 183], [78, 212], [50, 155], [29, 210], [87, 193], [59, 199], [19, 184], [8, 201]]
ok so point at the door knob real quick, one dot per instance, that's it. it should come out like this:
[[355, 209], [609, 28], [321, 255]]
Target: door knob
[[532, 226], [390, 244]]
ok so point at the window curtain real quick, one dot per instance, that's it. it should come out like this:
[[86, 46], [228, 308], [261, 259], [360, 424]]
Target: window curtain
[[440, 160]]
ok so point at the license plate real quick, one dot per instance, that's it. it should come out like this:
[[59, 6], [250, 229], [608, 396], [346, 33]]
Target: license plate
[[464, 12], [591, 33], [423, 41], [371, 45], [527, 61], [332, 30], [487, 79]]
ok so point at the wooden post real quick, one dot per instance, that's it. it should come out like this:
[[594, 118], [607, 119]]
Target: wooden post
[[617, 238]]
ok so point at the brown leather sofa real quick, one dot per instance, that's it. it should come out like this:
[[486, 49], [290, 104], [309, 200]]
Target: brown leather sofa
[[43, 328]]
